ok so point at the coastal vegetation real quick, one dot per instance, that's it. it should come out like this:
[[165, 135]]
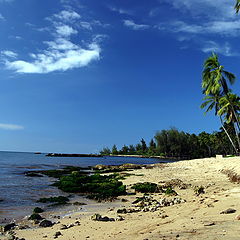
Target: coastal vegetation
[[220, 98], [173, 143]]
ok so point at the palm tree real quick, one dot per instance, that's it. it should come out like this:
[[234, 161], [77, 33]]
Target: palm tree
[[237, 6], [212, 102], [214, 77], [230, 107]]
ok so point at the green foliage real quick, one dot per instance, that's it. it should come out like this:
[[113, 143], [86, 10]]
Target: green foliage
[[170, 191], [105, 151], [95, 186], [62, 172], [57, 200], [146, 187], [114, 150]]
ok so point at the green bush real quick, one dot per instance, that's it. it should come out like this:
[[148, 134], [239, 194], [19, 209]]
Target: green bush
[[146, 187]]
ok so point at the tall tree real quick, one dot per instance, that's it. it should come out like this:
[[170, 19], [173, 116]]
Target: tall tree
[[214, 77], [230, 107], [212, 102]]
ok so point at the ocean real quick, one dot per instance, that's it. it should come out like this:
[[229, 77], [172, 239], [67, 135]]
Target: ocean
[[18, 193]]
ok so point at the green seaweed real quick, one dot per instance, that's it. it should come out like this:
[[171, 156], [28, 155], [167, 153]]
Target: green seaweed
[[146, 187]]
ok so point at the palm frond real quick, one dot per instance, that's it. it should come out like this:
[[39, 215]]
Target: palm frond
[[237, 6]]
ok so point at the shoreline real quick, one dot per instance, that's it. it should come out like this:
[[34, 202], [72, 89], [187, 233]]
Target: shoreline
[[200, 217]]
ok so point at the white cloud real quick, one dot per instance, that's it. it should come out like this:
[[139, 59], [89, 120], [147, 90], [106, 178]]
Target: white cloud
[[2, 18], [208, 8], [225, 49], [86, 25], [59, 54], [134, 26], [67, 15], [57, 58], [9, 54], [121, 10], [65, 30], [10, 126], [229, 28]]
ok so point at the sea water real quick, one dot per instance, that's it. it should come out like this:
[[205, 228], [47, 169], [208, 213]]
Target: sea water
[[19, 193]]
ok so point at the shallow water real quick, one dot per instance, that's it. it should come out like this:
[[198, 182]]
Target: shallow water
[[20, 193]]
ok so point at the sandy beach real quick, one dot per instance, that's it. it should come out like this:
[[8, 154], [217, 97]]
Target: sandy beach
[[200, 216]]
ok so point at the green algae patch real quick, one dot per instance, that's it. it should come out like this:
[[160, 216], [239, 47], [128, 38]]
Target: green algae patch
[[96, 186]]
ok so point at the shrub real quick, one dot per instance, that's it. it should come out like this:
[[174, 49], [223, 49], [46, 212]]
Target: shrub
[[146, 187]]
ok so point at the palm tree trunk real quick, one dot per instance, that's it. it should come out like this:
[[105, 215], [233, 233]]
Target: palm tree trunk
[[236, 130], [228, 135], [237, 136]]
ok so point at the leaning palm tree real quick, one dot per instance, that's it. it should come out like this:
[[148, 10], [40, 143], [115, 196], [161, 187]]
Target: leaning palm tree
[[237, 6], [230, 107], [214, 77], [212, 102]]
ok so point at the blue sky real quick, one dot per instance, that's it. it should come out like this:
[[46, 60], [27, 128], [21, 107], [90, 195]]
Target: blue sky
[[78, 75]]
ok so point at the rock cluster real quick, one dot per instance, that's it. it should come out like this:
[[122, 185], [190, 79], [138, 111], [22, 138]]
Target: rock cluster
[[98, 217], [148, 204]]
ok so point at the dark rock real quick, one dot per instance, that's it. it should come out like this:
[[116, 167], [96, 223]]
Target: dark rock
[[227, 211], [124, 210], [35, 216], [79, 204], [32, 174], [98, 217], [46, 223], [63, 227], [8, 227], [119, 218], [38, 210], [57, 234]]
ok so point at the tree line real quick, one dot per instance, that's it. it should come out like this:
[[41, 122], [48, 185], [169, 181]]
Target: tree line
[[173, 143]]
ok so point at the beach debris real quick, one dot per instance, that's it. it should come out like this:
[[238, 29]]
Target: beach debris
[[46, 223], [164, 216], [233, 177], [174, 183], [207, 224], [57, 234], [237, 217], [98, 217], [228, 211], [199, 190]]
